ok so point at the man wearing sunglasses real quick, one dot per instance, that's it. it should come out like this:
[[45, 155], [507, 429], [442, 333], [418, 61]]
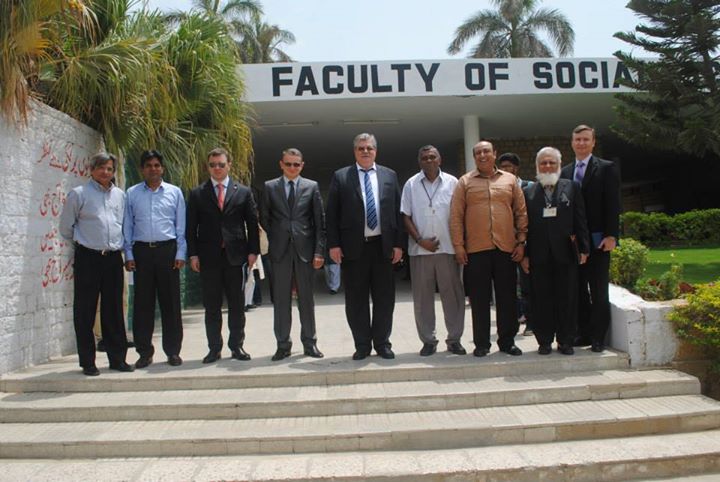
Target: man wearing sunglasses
[[222, 235], [364, 237], [292, 215]]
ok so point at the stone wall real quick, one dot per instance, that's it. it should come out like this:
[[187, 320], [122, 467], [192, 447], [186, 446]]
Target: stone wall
[[39, 163]]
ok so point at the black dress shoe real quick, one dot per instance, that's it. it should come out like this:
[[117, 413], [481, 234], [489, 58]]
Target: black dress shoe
[[360, 355], [122, 367], [597, 347], [479, 351], [240, 354], [174, 360], [512, 350], [385, 353], [211, 357], [582, 341], [544, 349], [91, 371], [428, 349], [566, 349], [312, 351], [280, 354], [143, 361], [456, 348]]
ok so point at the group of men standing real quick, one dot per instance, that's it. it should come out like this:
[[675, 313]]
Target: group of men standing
[[466, 237]]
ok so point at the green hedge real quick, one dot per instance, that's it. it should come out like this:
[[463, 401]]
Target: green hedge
[[660, 229]]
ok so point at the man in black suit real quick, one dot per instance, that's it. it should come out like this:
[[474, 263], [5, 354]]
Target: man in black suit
[[292, 215], [364, 237], [222, 235], [557, 242], [600, 181]]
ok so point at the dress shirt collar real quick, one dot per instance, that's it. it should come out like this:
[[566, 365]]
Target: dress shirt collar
[[586, 161], [439, 177], [100, 187], [224, 182], [360, 168], [496, 172], [286, 181], [148, 188]]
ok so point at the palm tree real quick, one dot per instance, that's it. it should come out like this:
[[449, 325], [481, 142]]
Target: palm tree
[[28, 33], [261, 42], [131, 77], [512, 31]]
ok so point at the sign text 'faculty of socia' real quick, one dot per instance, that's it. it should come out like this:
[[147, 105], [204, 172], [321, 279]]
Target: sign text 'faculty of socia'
[[478, 76]]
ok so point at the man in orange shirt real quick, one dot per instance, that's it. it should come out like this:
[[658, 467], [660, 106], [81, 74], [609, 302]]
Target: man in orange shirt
[[488, 229]]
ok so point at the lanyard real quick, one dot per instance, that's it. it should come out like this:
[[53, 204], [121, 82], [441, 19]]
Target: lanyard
[[430, 198], [548, 199]]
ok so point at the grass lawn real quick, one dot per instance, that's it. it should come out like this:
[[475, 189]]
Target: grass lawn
[[700, 265]]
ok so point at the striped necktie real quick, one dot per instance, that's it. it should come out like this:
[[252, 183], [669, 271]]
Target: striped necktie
[[370, 213]]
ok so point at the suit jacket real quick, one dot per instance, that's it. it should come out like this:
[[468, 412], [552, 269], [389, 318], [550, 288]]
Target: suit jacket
[[304, 225], [549, 238], [346, 211], [235, 226], [601, 193]]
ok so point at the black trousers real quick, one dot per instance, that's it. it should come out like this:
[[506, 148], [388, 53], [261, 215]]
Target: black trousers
[[216, 281], [99, 276], [155, 275], [594, 297], [554, 301], [496, 267], [370, 275]]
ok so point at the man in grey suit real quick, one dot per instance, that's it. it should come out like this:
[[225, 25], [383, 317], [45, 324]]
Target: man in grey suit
[[292, 214]]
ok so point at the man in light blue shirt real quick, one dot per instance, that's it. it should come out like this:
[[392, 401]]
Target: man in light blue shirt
[[155, 250], [92, 217]]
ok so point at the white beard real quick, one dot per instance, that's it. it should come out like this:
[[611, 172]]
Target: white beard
[[548, 180]]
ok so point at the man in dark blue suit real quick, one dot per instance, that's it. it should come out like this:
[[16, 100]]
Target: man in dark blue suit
[[364, 237], [222, 235], [600, 181]]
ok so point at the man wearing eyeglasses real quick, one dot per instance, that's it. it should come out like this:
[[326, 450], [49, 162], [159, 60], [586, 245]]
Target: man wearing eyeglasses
[[364, 237], [292, 214], [222, 235]]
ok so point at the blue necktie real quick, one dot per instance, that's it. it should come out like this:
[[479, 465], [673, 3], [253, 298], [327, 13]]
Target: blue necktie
[[579, 172], [370, 213]]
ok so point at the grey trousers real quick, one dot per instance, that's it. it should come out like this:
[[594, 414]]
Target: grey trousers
[[283, 272], [442, 270]]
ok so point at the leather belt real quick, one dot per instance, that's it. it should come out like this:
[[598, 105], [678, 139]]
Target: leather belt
[[101, 252], [154, 244], [370, 239]]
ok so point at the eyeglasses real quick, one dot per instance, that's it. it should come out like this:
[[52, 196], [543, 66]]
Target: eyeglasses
[[430, 157], [213, 165], [365, 148], [292, 164]]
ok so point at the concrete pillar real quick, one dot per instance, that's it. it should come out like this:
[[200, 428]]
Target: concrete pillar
[[471, 131]]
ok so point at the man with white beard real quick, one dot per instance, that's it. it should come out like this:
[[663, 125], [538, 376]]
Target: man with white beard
[[557, 242]]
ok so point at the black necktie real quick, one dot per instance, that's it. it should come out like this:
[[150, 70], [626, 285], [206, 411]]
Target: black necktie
[[291, 196]]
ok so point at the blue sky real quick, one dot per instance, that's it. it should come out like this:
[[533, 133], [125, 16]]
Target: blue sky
[[343, 30]]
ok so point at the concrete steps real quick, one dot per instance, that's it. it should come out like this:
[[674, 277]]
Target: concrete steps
[[585, 417], [426, 430], [326, 400], [674, 457]]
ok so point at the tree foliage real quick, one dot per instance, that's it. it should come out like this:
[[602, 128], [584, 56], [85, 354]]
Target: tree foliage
[[143, 83], [513, 30], [677, 103]]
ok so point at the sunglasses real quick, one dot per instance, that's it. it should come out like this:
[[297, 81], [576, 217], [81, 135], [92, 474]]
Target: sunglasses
[[431, 157], [217, 164], [292, 164], [365, 148]]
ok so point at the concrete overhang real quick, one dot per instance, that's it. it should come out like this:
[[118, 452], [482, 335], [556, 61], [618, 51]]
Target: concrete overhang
[[311, 107]]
